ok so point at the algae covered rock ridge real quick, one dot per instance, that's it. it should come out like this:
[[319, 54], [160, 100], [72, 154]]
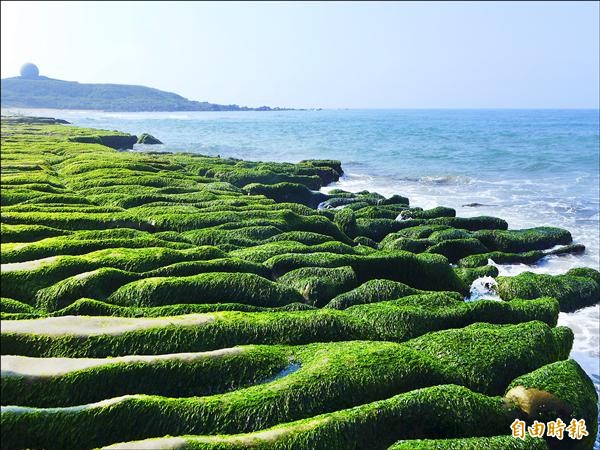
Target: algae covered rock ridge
[[180, 300]]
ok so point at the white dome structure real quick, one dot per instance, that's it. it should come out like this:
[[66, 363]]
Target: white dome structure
[[29, 70]]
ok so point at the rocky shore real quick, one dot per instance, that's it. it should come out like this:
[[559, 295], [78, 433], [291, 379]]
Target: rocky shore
[[221, 303]]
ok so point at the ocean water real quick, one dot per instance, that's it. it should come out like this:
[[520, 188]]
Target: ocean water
[[530, 167]]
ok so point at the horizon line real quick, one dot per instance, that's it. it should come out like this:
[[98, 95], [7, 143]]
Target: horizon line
[[316, 109]]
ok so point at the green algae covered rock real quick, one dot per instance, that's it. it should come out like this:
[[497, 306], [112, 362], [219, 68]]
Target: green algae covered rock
[[376, 229], [318, 285], [246, 288], [472, 223], [22, 281], [229, 303], [497, 346], [370, 292], [514, 241], [304, 237], [403, 367], [558, 390], [8, 305], [455, 249], [28, 233], [116, 141], [482, 259], [425, 271], [345, 218], [476, 443], [407, 244], [365, 241], [397, 321], [575, 290], [287, 192], [585, 272], [212, 373], [99, 284], [263, 252], [468, 275], [417, 213], [147, 139], [445, 410], [91, 307]]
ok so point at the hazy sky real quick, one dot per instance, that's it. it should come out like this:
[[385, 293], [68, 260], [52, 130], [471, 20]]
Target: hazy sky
[[331, 55]]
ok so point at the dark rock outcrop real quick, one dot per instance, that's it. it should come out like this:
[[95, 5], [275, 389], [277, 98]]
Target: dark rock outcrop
[[33, 120], [116, 141], [148, 139]]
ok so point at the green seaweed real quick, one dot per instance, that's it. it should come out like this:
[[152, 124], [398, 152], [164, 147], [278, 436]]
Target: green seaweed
[[356, 332], [572, 291]]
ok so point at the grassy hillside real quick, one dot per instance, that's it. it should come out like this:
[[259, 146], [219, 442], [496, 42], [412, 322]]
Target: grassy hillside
[[43, 92]]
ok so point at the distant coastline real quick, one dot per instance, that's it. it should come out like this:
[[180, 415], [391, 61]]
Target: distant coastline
[[49, 93]]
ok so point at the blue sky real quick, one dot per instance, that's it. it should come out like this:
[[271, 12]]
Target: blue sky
[[330, 55]]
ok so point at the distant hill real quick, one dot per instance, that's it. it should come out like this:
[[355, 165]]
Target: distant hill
[[44, 92]]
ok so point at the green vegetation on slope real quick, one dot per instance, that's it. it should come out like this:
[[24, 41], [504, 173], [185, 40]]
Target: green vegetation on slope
[[43, 92]]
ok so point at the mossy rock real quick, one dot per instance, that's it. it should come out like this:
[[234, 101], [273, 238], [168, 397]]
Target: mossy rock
[[98, 284], [439, 211], [403, 367], [515, 241], [407, 244], [8, 305], [246, 288], [372, 291], [558, 390], [482, 259], [585, 272], [472, 223], [425, 271], [468, 275], [318, 285], [449, 233], [365, 241], [147, 139], [475, 443], [573, 292], [415, 232], [496, 347], [142, 254], [28, 233], [396, 200], [444, 410], [287, 192], [345, 219], [116, 141], [455, 249], [304, 237], [397, 320]]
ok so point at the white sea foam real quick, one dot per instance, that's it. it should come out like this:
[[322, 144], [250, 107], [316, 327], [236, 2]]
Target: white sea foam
[[586, 346], [483, 288]]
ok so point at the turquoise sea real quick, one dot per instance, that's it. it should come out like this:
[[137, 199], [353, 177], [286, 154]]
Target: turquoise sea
[[530, 167]]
